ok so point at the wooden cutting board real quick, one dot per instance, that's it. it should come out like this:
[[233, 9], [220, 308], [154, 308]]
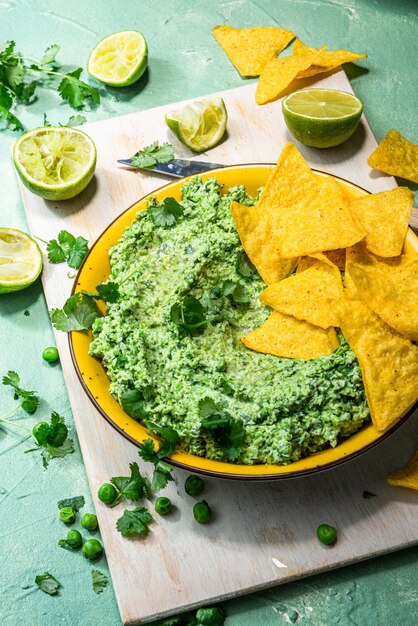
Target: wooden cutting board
[[262, 534]]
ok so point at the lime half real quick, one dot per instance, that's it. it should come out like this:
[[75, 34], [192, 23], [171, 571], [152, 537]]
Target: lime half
[[119, 59], [199, 125], [56, 163], [322, 118], [20, 260]]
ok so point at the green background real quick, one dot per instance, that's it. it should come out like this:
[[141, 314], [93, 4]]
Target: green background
[[184, 62]]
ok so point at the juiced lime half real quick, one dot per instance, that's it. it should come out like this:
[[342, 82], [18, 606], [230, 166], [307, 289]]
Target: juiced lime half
[[119, 59], [322, 118], [56, 163], [20, 260], [199, 125]]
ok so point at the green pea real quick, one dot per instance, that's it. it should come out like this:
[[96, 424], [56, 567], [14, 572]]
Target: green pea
[[50, 355], [74, 539], [326, 534], [194, 485], [67, 514], [107, 493], [202, 512], [89, 521], [162, 505], [92, 549]]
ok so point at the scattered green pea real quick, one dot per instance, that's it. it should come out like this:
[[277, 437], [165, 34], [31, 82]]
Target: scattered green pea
[[74, 539], [107, 493], [194, 485], [89, 521], [92, 549], [162, 505], [326, 534], [67, 514], [50, 355], [202, 512]]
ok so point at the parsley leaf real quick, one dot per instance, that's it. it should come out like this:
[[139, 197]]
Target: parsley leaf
[[99, 580], [227, 433], [166, 213], [76, 503], [67, 248], [30, 401], [47, 583], [147, 452], [161, 476], [132, 402], [75, 91], [78, 313], [189, 315], [133, 488], [153, 154], [134, 522]]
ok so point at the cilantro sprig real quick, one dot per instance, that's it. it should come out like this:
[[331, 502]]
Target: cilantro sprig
[[47, 583], [189, 315], [20, 76], [134, 522], [168, 444], [227, 433], [99, 581], [67, 248], [166, 213], [155, 153], [52, 438], [29, 400], [133, 487], [78, 313], [76, 503]]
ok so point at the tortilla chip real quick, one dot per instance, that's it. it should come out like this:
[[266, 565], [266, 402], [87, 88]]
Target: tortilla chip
[[308, 295], [397, 156], [326, 61], [249, 49], [278, 74], [334, 257], [285, 336], [385, 218], [257, 241], [388, 362], [406, 476], [390, 290]]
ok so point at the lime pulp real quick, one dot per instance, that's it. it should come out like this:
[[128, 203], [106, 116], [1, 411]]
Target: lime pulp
[[200, 125], [20, 260], [119, 59]]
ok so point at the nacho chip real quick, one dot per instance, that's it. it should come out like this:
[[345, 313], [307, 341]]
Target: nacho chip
[[285, 336], [308, 295], [278, 74], [390, 290], [385, 217], [406, 476], [249, 49], [388, 362], [397, 156], [255, 235], [326, 61]]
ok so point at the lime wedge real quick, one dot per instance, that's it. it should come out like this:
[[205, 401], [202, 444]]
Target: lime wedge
[[119, 59], [199, 125], [56, 163], [20, 260], [322, 118]]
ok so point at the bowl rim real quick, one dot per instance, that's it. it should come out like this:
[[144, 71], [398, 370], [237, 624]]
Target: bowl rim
[[203, 471]]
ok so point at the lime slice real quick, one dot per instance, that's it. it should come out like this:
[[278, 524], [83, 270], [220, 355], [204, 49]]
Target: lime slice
[[322, 117], [119, 59], [199, 125], [20, 260], [56, 163]]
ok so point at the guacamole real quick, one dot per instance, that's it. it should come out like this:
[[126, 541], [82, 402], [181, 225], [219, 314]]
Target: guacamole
[[285, 408]]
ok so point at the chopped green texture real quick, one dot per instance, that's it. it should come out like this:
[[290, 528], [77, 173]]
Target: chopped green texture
[[189, 315], [134, 487], [29, 402], [212, 616], [155, 153], [99, 580], [47, 583], [166, 213], [76, 503], [67, 248], [77, 92], [78, 313], [134, 522], [132, 402]]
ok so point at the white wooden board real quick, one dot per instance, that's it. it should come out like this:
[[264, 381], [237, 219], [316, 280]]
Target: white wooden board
[[263, 534]]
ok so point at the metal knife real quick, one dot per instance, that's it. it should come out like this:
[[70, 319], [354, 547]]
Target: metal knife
[[177, 168]]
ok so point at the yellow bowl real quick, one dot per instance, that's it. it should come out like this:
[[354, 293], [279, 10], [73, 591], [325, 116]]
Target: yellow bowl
[[96, 269]]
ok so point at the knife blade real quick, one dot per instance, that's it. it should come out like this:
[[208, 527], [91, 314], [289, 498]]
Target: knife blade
[[177, 168]]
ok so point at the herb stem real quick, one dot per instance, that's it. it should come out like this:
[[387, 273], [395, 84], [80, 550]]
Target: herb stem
[[40, 239], [2, 419]]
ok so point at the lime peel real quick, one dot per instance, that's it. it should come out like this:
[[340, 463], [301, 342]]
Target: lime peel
[[119, 59], [200, 125], [20, 260]]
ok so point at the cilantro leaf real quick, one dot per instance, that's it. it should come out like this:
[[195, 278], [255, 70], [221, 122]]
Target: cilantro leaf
[[52, 452], [47, 583], [162, 471], [166, 213], [11, 120], [132, 402], [15, 71], [134, 522], [189, 314], [99, 580], [6, 99], [67, 248], [108, 292], [149, 156], [207, 407], [30, 401], [227, 433], [78, 253], [56, 253], [52, 438], [212, 616], [161, 476], [147, 452], [50, 54], [134, 487], [6, 49], [76, 503], [78, 313], [75, 91], [244, 266], [75, 120], [236, 292]]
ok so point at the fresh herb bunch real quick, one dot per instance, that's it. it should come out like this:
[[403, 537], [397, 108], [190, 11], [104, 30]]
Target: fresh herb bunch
[[20, 76]]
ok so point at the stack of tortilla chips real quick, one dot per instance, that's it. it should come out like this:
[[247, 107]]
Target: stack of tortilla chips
[[305, 221], [253, 51]]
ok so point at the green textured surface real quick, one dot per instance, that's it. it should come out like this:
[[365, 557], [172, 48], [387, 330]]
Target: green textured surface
[[382, 591]]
